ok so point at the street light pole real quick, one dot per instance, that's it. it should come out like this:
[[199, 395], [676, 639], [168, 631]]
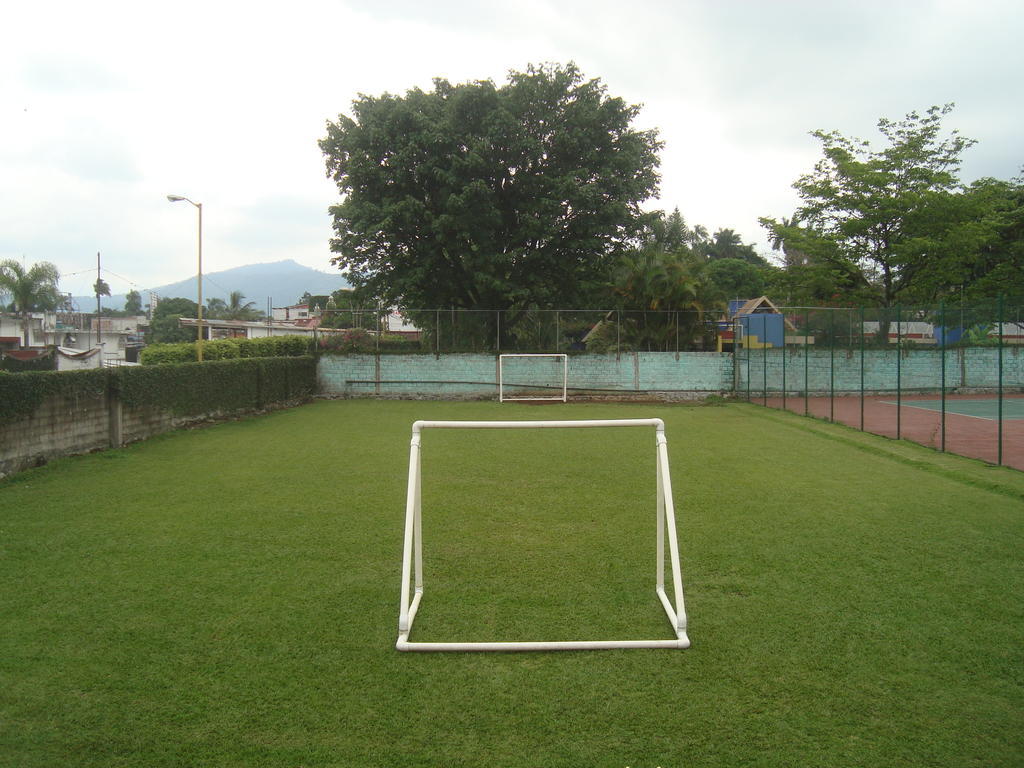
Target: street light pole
[[199, 308]]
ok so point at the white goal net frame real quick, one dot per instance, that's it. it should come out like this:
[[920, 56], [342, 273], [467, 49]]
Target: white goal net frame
[[412, 557], [502, 384]]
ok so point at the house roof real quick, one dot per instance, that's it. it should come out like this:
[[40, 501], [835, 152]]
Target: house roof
[[752, 305], [761, 305]]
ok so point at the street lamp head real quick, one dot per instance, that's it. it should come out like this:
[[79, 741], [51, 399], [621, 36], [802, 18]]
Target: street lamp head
[[175, 198]]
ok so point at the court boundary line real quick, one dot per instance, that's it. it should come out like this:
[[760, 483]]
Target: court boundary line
[[952, 412]]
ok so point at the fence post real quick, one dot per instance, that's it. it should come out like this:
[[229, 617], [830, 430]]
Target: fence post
[[783, 362], [618, 335], [862, 368], [746, 353], [942, 362], [807, 328], [999, 315], [832, 365], [735, 359], [764, 358], [899, 370]]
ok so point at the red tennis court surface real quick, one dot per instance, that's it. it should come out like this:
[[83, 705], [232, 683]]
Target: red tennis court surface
[[972, 436]]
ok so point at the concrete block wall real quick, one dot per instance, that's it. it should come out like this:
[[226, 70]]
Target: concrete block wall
[[60, 426], [918, 369], [146, 421], [476, 375]]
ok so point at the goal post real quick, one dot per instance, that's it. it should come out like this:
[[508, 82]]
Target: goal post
[[533, 377], [412, 555]]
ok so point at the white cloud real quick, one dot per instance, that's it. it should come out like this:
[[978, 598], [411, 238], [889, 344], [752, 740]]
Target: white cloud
[[109, 106]]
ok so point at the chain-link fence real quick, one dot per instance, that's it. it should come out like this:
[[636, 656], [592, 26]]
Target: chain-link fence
[[446, 331], [947, 376]]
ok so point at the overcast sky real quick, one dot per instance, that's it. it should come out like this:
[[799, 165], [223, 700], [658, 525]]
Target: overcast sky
[[109, 107]]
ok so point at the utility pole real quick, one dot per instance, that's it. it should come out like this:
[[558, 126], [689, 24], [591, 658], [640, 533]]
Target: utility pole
[[99, 336]]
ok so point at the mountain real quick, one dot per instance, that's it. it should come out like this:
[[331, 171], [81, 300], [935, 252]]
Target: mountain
[[281, 282]]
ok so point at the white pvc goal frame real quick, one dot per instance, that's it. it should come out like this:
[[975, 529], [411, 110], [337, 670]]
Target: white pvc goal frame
[[502, 397], [412, 558]]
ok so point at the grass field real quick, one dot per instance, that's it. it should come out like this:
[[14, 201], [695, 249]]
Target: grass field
[[229, 597]]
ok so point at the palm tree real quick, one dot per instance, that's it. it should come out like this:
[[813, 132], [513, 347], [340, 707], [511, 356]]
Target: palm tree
[[650, 280], [215, 308], [30, 289], [236, 310], [233, 308], [779, 241]]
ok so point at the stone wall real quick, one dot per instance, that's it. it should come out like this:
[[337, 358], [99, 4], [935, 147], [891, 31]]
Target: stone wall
[[664, 374], [60, 425], [823, 370]]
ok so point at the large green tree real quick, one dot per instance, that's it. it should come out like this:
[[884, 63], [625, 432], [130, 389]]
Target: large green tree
[[29, 290], [164, 326], [133, 303], [736, 278], [482, 196], [984, 257], [882, 219]]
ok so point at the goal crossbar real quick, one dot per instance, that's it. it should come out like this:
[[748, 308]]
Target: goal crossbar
[[412, 556]]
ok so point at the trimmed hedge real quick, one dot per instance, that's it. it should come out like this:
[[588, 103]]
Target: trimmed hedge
[[185, 389], [228, 349], [22, 393]]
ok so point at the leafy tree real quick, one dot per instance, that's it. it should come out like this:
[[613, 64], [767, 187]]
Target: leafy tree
[[669, 233], [883, 216], [133, 302], [727, 244], [164, 327], [346, 308], [984, 257], [674, 286], [736, 278], [29, 290], [480, 196]]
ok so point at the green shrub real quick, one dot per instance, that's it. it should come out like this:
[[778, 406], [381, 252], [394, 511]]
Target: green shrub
[[396, 343], [22, 393], [228, 349], [157, 354], [604, 338], [351, 340], [185, 389], [190, 389], [360, 341]]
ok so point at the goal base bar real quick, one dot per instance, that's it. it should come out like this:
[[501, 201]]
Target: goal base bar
[[682, 642], [570, 645]]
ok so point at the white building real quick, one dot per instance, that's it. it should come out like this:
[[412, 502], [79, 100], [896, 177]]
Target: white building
[[76, 332], [292, 313], [255, 329]]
